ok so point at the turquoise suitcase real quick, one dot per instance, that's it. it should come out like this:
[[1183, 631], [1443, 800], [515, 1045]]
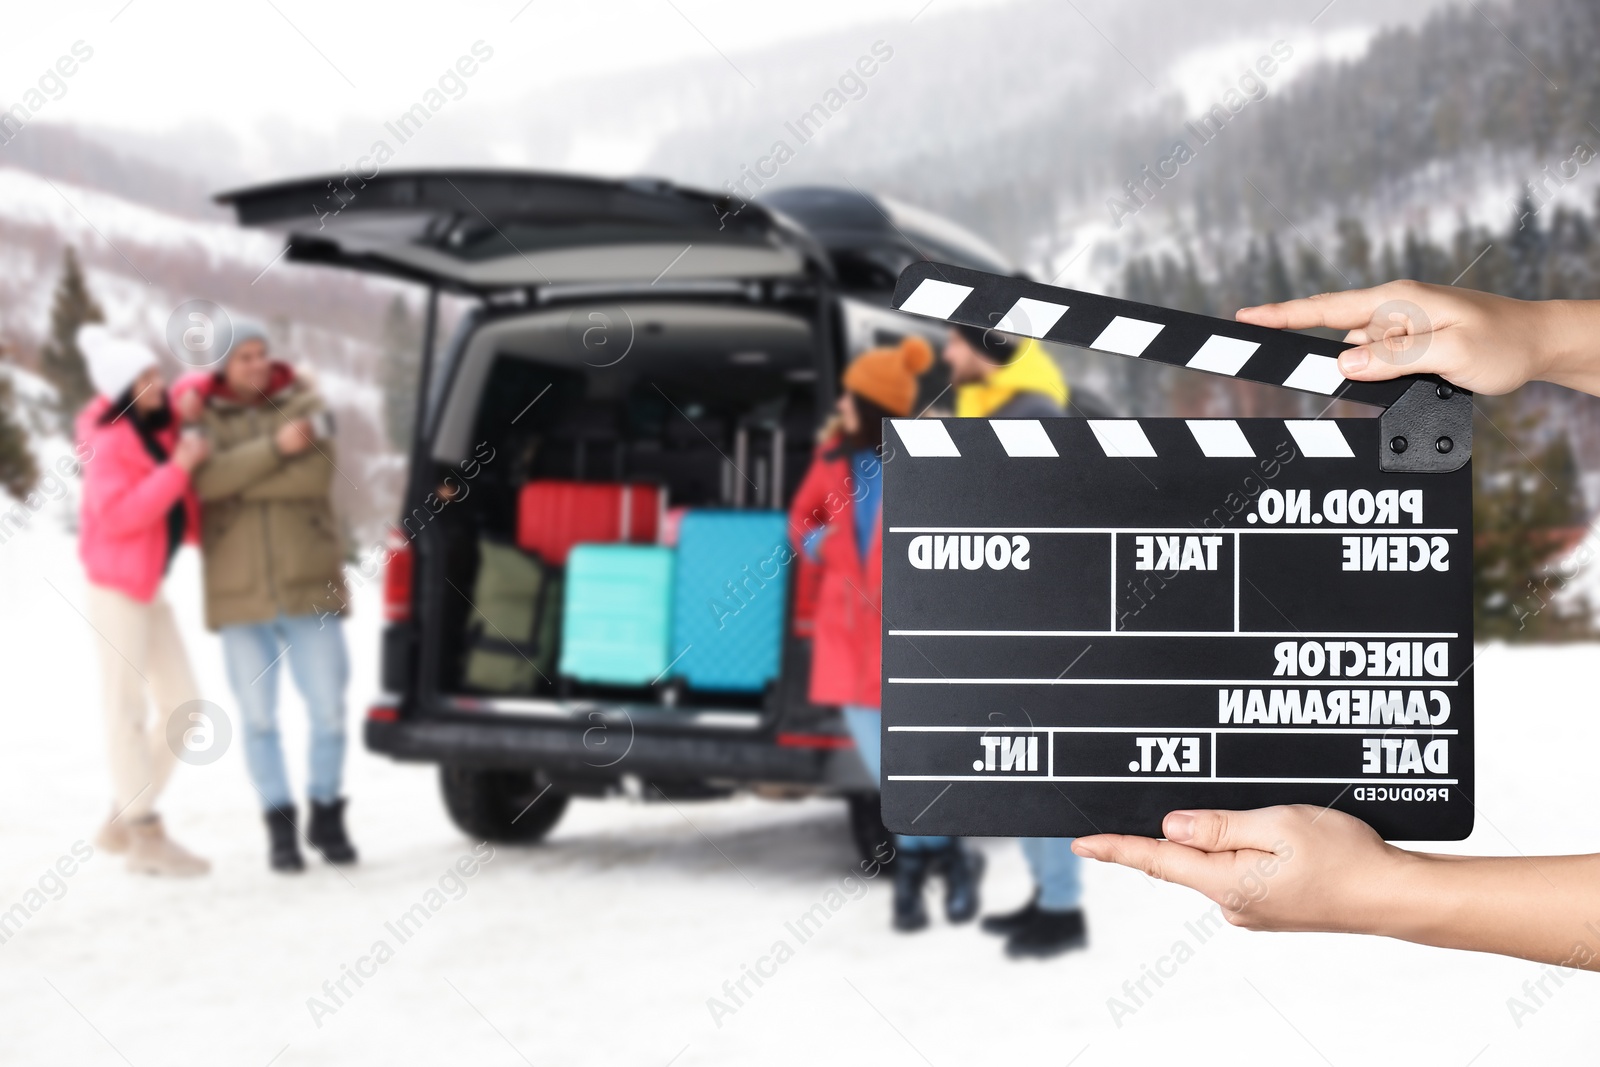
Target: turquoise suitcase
[[729, 594], [617, 614]]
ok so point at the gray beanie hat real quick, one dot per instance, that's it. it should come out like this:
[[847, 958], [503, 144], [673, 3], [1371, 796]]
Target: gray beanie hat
[[244, 329]]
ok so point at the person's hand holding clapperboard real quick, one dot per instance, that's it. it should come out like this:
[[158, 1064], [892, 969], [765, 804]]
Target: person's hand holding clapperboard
[[1330, 871]]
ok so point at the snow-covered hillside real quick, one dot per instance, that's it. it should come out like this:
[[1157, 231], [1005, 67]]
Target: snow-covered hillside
[[140, 264]]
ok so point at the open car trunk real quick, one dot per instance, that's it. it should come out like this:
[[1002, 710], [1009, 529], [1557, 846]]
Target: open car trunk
[[627, 334], [710, 406]]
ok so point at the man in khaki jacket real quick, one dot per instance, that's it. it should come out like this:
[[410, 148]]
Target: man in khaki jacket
[[274, 584]]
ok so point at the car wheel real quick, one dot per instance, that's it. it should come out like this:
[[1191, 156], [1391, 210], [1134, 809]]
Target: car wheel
[[500, 805], [873, 842]]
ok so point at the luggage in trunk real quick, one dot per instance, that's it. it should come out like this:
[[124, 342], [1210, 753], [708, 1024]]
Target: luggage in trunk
[[616, 617], [728, 598], [553, 515], [514, 624]]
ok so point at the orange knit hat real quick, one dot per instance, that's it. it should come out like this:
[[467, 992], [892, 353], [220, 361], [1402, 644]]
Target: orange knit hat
[[888, 376]]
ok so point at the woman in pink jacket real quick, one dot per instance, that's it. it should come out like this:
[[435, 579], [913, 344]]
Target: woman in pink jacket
[[836, 520], [138, 507]]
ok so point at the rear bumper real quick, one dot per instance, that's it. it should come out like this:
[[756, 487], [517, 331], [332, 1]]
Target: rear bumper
[[614, 751]]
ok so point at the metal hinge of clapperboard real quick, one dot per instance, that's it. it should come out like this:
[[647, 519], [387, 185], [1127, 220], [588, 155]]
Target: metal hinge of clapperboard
[[1426, 425]]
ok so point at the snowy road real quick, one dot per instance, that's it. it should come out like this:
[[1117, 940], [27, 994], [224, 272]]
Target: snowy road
[[604, 945]]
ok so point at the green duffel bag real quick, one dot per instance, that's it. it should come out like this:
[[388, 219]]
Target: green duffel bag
[[515, 621]]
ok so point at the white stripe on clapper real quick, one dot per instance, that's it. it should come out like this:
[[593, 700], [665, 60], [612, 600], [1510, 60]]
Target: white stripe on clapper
[[1023, 437], [1121, 438], [1125, 336], [1223, 355], [925, 437], [1319, 374], [1219, 437], [1319, 438], [936, 299], [1030, 317]]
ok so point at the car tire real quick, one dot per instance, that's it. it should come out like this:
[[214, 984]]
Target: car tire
[[508, 807], [873, 842]]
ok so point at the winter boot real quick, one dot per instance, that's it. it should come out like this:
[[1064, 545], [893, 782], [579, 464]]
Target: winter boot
[[1048, 933], [910, 872], [327, 834], [151, 851], [1007, 923], [284, 855], [113, 836], [962, 868]]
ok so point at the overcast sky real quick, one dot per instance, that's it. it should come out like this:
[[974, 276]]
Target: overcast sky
[[158, 64]]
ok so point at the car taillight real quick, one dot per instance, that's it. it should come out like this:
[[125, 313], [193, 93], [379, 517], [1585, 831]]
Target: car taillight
[[383, 713], [397, 578], [826, 741]]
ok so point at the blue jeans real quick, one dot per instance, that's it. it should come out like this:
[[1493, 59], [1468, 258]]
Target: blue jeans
[[865, 726], [1055, 871], [1051, 859], [314, 647]]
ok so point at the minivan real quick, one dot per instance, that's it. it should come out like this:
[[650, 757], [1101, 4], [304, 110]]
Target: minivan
[[625, 331]]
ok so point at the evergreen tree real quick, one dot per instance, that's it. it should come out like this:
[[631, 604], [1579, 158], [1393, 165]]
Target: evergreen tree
[[402, 358], [59, 360], [1249, 280], [1275, 277], [1313, 273], [1388, 265], [1528, 248], [19, 472], [1355, 252], [1522, 509], [1193, 296]]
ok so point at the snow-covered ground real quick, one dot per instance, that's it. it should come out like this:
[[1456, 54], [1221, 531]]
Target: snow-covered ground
[[603, 945]]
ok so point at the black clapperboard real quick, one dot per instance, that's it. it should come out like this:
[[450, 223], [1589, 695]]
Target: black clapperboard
[[1089, 623]]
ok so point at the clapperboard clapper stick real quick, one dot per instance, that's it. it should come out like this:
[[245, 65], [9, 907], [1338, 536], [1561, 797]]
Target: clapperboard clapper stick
[[1091, 622]]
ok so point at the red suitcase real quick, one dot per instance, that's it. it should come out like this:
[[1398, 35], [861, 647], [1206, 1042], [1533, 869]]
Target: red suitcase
[[552, 516]]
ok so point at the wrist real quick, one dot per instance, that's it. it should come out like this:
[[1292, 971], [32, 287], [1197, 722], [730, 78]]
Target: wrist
[[1409, 897], [1567, 352]]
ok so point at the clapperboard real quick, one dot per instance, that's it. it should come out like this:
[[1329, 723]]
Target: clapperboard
[[1091, 622]]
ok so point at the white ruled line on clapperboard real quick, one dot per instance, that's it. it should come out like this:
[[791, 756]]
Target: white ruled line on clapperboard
[[1025, 438], [1123, 438], [1050, 732]]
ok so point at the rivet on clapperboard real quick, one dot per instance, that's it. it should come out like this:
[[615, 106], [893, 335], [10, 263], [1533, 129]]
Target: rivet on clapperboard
[[1090, 622]]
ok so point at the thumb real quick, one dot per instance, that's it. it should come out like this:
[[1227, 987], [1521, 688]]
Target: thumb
[[1224, 831], [1397, 355], [1358, 364]]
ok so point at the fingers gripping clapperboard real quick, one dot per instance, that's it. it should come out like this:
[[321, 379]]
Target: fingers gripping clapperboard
[[1089, 623]]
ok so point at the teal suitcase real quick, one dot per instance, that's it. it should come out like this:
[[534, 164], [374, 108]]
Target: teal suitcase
[[617, 617], [729, 595]]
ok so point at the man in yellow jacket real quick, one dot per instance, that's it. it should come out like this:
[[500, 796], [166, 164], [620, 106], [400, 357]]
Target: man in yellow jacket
[[999, 376]]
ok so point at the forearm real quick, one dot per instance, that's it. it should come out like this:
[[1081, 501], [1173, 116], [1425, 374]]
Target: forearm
[[229, 472], [146, 503], [1543, 908], [308, 476], [1571, 345]]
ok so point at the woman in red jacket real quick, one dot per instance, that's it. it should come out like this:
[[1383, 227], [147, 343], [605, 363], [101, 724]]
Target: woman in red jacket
[[835, 520], [138, 507]]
